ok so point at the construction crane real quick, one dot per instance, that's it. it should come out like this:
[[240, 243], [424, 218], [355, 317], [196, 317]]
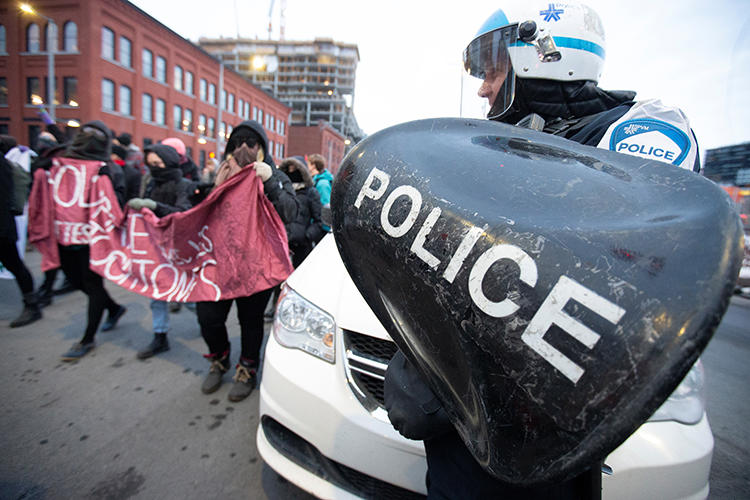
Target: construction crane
[[282, 19]]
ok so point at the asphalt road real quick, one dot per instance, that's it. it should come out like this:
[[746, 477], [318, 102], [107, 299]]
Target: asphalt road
[[114, 427]]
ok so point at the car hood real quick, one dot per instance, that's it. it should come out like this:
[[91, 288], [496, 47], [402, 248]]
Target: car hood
[[323, 280]]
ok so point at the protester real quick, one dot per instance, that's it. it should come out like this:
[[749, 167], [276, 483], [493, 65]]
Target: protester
[[92, 142], [247, 147], [189, 168], [561, 97], [167, 192], [132, 175], [9, 256], [135, 157], [307, 228]]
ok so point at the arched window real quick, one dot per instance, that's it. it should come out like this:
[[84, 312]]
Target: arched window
[[70, 37], [2, 39], [50, 37], [32, 38]]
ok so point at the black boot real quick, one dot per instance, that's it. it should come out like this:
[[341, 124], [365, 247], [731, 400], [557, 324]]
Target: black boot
[[44, 294], [66, 287], [30, 311], [159, 344]]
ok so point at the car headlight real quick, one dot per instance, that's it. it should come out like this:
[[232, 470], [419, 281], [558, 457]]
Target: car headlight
[[687, 402], [299, 324]]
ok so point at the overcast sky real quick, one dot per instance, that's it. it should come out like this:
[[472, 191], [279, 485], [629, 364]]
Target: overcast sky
[[691, 54]]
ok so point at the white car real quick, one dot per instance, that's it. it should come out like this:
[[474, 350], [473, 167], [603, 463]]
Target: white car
[[323, 425]]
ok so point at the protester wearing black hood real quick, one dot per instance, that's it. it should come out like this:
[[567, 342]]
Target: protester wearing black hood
[[307, 228], [92, 142], [131, 173], [167, 192], [247, 148], [9, 256]]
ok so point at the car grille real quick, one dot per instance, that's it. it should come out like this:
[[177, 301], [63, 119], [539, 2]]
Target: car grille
[[307, 456], [366, 361]]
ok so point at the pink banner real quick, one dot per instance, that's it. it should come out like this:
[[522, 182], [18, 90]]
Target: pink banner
[[232, 244]]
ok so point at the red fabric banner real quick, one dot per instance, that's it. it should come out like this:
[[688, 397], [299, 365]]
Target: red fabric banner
[[232, 244]]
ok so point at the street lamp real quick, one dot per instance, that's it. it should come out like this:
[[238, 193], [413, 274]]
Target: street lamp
[[51, 49]]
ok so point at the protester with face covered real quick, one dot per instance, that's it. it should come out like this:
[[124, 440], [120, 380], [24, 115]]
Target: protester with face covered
[[92, 142], [167, 192], [307, 228], [247, 148], [132, 174], [187, 165], [9, 256]]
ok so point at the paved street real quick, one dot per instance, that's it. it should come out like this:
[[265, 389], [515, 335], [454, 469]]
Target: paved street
[[114, 427]]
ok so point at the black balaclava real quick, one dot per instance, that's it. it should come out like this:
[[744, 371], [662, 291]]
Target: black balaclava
[[171, 159], [557, 99], [92, 142], [249, 129]]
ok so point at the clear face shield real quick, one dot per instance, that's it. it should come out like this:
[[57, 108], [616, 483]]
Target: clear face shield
[[488, 82]]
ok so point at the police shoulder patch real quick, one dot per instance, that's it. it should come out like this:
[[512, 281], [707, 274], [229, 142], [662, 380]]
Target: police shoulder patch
[[654, 131], [652, 139]]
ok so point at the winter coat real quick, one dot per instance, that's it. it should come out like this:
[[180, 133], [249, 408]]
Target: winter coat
[[169, 189], [324, 184], [278, 188], [7, 221], [307, 228]]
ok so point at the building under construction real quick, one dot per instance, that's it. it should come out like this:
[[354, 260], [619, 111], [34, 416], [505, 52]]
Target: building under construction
[[315, 78]]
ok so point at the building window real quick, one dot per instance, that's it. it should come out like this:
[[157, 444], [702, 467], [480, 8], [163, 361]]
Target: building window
[[240, 107], [108, 95], [108, 44], [260, 116], [147, 60], [189, 82], [126, 52], [223, 100], [33, 90], [161, 112], [178, 77], [270, 149], [32, 38], [202, 89], [147, 103], [3, 91], [50, 37], [230, 105], [255, 113], [247, 111], [177, 117], [187, 120], [2, 39], [125, 95], [70, 90], [161, 69], [211, 128], [202, 124], [202, 158], [212, 94], [70, 37]]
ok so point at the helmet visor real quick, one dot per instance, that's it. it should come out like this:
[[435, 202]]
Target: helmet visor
[[489, 79]]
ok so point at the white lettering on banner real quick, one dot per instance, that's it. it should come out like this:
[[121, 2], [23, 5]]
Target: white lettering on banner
[[549, 313]]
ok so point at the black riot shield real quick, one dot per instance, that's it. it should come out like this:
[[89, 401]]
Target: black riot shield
[[552, 295]]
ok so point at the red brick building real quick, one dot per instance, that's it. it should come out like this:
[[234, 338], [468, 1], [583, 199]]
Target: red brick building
[[322, 139], [117, 64]]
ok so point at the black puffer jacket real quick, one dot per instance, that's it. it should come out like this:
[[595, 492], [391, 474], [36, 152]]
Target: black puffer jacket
[[167, 187], [307, 228], [278, 188]]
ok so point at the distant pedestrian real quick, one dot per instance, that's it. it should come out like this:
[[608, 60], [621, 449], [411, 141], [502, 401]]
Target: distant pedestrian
[[322, 179], [135, 156], [307, 228], [132, 174]]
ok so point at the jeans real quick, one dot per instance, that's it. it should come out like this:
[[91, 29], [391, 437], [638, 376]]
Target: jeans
[[160, 315]]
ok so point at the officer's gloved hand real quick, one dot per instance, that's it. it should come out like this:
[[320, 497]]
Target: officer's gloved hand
[[139, 203], [262, 170], [413, 409]]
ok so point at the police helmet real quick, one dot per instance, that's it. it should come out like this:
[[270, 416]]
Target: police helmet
[[554, 41]]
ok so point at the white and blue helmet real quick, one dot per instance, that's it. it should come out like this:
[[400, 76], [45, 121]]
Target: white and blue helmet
[[554, 41]]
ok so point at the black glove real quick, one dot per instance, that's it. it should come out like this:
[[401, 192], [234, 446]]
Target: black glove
[[413, 409]]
